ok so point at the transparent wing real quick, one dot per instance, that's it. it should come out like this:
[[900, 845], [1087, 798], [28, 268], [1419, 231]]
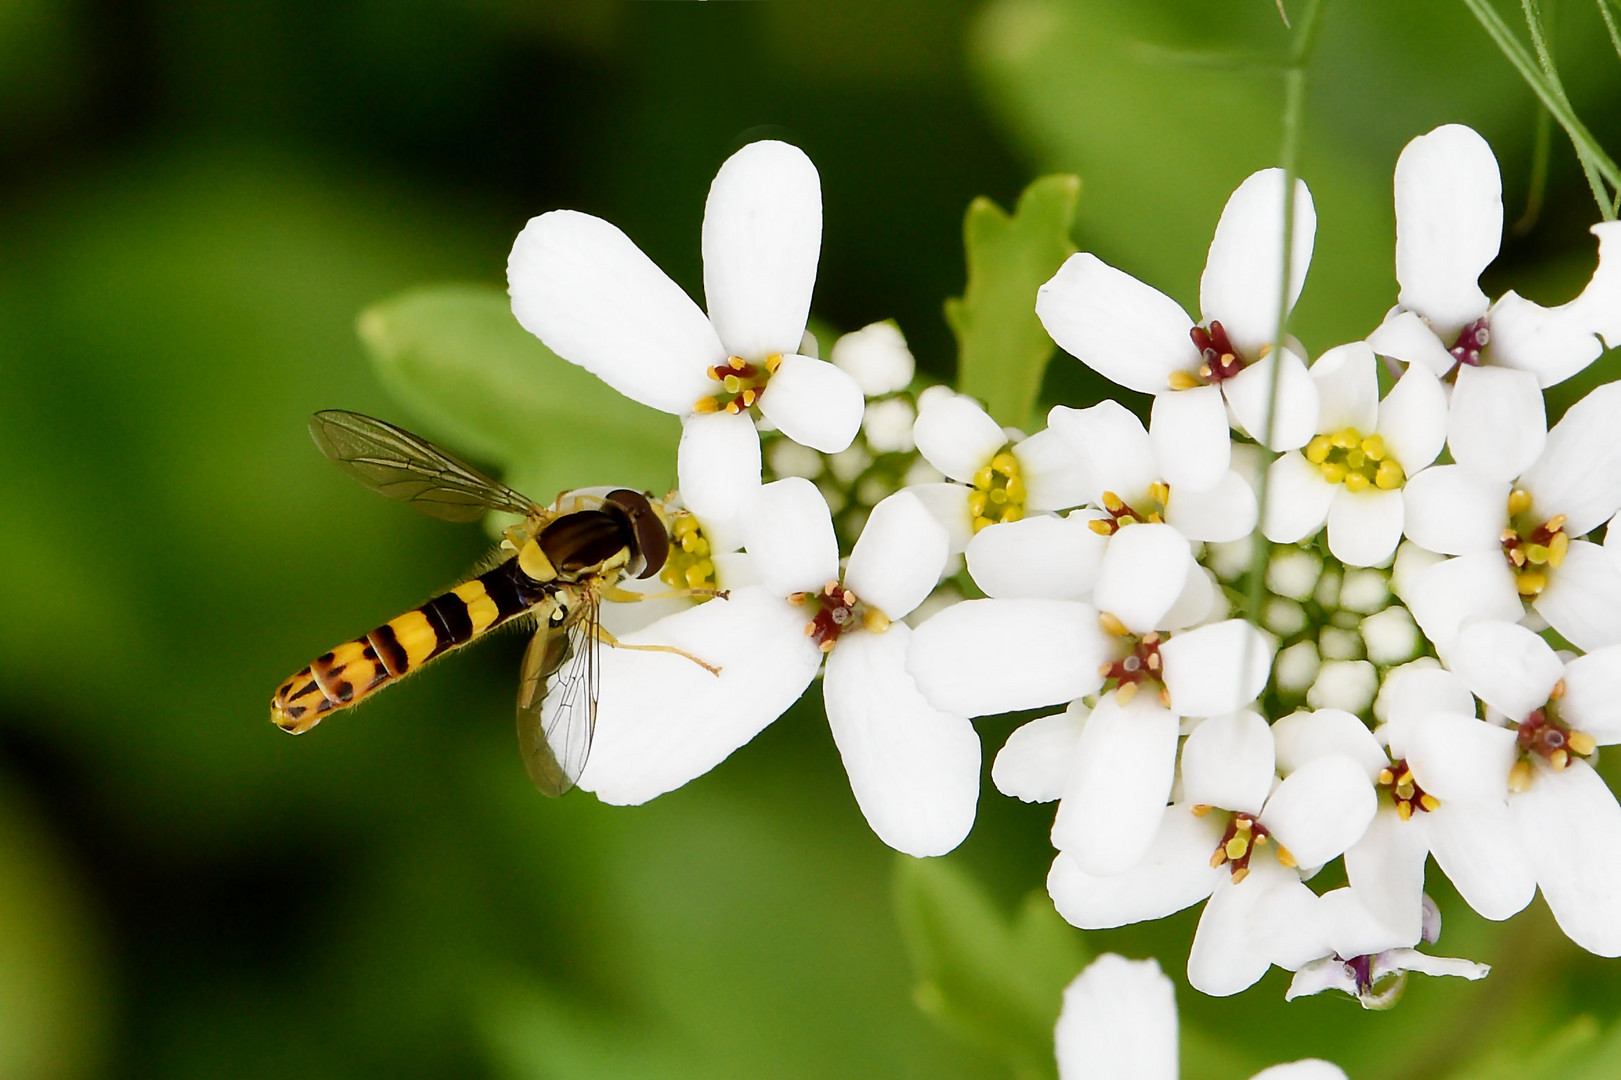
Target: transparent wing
[[557, 698], [400, 465]]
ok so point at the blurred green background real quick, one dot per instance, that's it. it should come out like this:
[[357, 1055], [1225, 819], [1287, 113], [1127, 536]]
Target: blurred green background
[[196, 201]]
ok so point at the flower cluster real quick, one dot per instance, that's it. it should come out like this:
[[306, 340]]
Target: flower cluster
[[1429, 669]]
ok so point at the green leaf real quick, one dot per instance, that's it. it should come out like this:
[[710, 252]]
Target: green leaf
[[1002, 349], [458, 361], [992, 981]]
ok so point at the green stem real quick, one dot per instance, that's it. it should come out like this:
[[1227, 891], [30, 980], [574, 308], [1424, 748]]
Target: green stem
[[1534, 23], [1553, 99], [1294, 108], [1609, 24], [1537, 187]]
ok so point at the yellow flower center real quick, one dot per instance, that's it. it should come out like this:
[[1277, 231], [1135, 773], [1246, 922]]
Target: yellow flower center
[[1358, 461], [741, 384], [690, 564], [1121, 513], [998, 492], [1532, 547]]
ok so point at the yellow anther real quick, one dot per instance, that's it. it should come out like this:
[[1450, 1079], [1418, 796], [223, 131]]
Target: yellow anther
[[1217, 857], [1582, 743], [977, 501], [1332, 472], [1429, 802], [1260, 841], [1519, 777], [1201, 809], [1165, 696], [1559, 759], [1345, 438], [1516, 556], [1355, 458], [773, 362], [1374, 447], [982, 523], [1285, 857], [1404, 809], [983, 477], [1184, 380], [1015, 489], [1204, 371], [1240, 874], [1243, 824], [1390, 475], [733, 407], [1125, 692], [997, 496], [875, 620], [1006, 464], [1355, 481], [706, 405], [1159, 491], [1317, 450], [1113, 503], [1101, 527], [1236, 847], [1112, 625], [1386, 777], [1013, 512], [1104, 669], [737, 363], [1557, 547], [1555, 523], [1558, 691], [1151, 638], [1531, 582], [1519, 501]]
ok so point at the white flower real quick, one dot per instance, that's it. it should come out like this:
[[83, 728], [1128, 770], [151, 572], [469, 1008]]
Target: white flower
[[998, 478], [1530, 807], [1140, 338], [583, 288], [1126, 468], [1119, 1023], [914, 768], [1365, 962], [1522, 538], [1449, 224], [1352, 471], [1234, 838], [876, 357]]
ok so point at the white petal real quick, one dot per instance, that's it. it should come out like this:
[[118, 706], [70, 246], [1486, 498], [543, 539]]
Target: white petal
[[1449, 223], [1294, 412], [1217, 668], [1583, 597], [1297, 499], [1226, 956], [1118, 786], [1034, 764], [1599, 305], [1201, 594], [1243, 275], [1442, 596], [1118, 1022], [1353, 929], [762, 237], [913, 768], [1497, 426], [876, 357], [1287, 922], [1386, 868], [1414, 689], [1225, 511], [1406, 337], [1113, 445], [1143, 572], [1395, 960], [1054, 476], [718, 463], [582, 287], [1174, 874], [1458, 757], [1189, 431], [1413, 419], [1305, 1069], [948, 504], [1549, 344], [1321, 809], [663, 720], [1579, 472], [1037, 557], [899, 556], [1477, 847], [1228, 762], [1506, 666], [955, 435], [1347, 378], [1450, 510], [788, 530], [982, 657], [1128, 332], [1592, 701], [1571, 826], [1306, 736], [813, 403], [1364, 527]]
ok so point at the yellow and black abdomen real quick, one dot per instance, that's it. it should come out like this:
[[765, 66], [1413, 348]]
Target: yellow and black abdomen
[[357, 668]]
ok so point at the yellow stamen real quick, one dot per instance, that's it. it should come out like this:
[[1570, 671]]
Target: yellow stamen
[[1583, 743], [1183, 380], [1519, 777], [1519, 501], [1111, 623], [1285, 857]]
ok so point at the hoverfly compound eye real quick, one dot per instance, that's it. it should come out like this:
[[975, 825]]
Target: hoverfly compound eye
[[652, 539]]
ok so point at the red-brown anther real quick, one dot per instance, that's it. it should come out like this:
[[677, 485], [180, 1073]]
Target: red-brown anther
[[1472, 339], [1219, 359]]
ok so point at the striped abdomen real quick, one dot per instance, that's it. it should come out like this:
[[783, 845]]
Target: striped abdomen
[[357, 668]]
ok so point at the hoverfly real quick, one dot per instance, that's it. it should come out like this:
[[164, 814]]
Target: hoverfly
[[557, 566]]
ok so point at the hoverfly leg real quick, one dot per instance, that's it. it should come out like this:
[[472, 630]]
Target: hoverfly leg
[[627, 596], [608, 639]]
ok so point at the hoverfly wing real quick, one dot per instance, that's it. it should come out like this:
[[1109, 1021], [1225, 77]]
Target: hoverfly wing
[[557, 699], [397, 464]]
